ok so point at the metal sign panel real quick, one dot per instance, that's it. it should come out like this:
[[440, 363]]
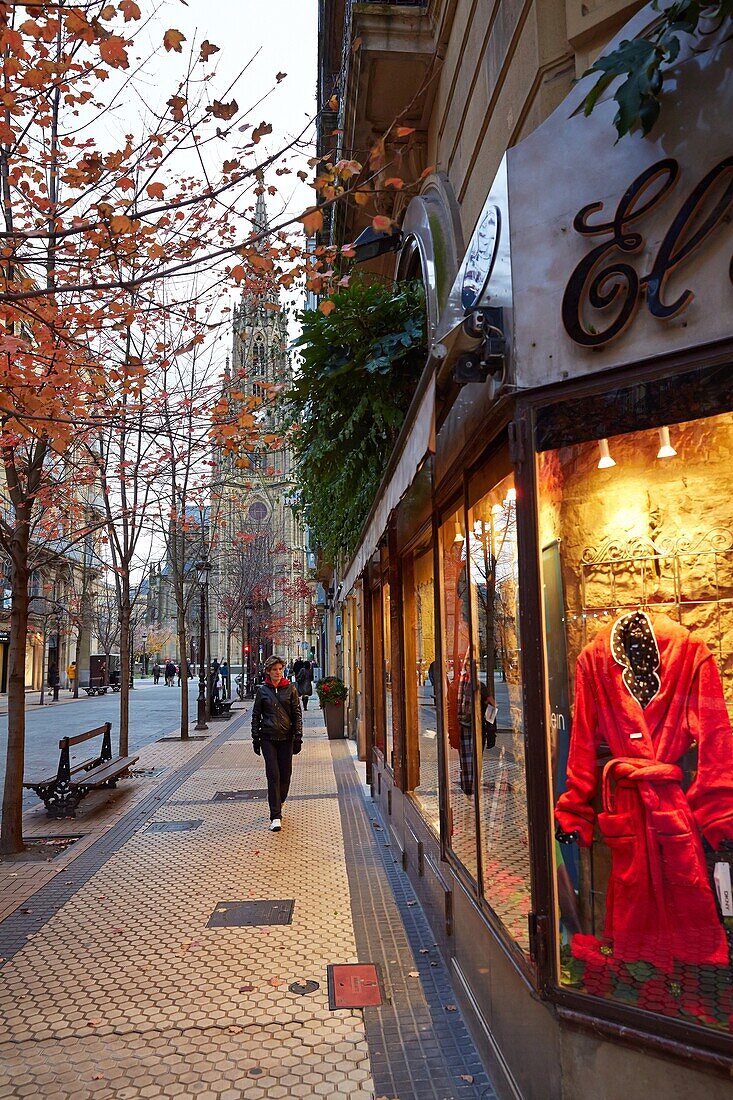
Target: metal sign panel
[[354, 985], [248, 914]]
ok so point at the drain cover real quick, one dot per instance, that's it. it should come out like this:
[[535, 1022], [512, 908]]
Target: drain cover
[[354, 985], [302, 988], [192, 737], [247, 914], [241, 796], [148, 773], [173, 826]]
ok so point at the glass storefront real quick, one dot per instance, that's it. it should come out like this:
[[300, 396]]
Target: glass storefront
[[420, 681], [458, 718], [494, 593], [387, 650], [637, 567]]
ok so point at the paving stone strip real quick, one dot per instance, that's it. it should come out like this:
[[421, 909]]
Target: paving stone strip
[[45, 902], [419, 1045]]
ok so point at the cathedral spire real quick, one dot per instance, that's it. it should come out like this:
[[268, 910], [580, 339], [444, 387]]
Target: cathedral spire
[[260, 223]]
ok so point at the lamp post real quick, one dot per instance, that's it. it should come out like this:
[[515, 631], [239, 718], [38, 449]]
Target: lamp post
[[57, 676], [202, 576], [145, 655]]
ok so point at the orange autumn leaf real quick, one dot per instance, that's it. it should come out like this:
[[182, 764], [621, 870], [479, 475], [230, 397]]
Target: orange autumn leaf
[[113, 51], [155, 190], [260, 131], [404, 131], [361, 197], [381, 224], [312, 221], [326, 307], [173, 39], [396, 182], [129, 9], [221, 110], [207, 49]]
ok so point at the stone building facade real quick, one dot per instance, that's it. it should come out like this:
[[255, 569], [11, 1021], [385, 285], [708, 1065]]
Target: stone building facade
[[261, 597]]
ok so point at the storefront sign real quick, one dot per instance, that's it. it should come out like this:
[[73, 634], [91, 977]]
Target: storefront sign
[[601, 281], [621, 250]]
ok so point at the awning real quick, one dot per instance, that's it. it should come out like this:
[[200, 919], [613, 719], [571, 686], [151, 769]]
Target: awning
[[416, 445]]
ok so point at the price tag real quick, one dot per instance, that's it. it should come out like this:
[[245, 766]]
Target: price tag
[[721, 878]]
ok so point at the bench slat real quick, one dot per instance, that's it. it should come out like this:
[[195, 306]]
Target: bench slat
[[31, 783], [83, 736], [109, 770]]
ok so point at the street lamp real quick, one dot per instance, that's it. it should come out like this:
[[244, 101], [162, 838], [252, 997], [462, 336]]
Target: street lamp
[[58, 610], [203, 569], [145, 655]]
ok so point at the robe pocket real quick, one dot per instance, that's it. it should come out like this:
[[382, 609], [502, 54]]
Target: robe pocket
[[677, 847], [620, 833]]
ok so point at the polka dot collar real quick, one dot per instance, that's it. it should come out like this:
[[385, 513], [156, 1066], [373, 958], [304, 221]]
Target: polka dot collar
[[634, 647]]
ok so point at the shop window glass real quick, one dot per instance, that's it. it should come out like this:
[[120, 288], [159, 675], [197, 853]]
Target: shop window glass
[[497, 677], [377, 670], [637, 566], [458, 721], [421, 668], [387, 643]]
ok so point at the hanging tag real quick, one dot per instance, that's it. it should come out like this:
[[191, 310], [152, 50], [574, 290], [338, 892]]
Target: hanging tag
[[491, 712], [721, 878], [635, 736]]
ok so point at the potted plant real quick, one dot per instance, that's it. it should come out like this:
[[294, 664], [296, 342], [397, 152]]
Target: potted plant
[[332, 693]]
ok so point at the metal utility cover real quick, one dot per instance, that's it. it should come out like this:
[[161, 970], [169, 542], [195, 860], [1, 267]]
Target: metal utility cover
[[173, 826], [241, 796], [182, 740], [354, 985], [248, 914]]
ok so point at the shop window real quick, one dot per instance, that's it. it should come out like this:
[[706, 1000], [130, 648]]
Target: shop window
[[377, 671], [497, 678], [420, 682], [460, 742], [637, 567], [387, 655]]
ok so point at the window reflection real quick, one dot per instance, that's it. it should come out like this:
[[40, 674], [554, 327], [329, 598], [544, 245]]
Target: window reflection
[[503, 829], [422, 668], [387, 642], [458, 693]]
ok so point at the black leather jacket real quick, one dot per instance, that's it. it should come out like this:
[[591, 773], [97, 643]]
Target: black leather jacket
[[277, 715]]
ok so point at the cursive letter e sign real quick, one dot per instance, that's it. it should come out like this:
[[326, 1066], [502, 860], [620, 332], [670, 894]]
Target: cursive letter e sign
[[603, 280]]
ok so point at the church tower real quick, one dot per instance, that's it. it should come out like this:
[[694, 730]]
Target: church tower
[[261, 597]]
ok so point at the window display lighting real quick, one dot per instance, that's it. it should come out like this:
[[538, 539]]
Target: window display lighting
[[459, 536], [605, 462], [666, 450]]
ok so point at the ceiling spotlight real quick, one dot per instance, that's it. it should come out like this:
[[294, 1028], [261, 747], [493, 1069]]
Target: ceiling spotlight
[[605, 462], [666, 450]]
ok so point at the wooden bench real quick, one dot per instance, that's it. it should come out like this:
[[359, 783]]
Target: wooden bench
[[63, 792], [95, 689]]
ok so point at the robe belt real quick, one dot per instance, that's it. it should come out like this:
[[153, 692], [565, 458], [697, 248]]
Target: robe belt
[[645, 775], [634, 770]]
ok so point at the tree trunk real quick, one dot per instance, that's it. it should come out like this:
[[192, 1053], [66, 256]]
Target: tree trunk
[[11, 840], [125, 614], [184, 666]]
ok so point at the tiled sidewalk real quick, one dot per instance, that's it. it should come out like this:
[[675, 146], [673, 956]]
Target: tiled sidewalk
[[114, 985]]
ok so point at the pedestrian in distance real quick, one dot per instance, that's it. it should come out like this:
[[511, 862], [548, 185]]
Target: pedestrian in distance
[[304, 680], [156, 673], [71, 674], [170, 671], [277, 734], [224, 673]]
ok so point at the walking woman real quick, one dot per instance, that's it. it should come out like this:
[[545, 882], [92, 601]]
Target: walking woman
[[277, 733], [304, 681]]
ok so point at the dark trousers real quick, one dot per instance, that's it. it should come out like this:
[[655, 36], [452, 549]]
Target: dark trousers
[[278, 757]]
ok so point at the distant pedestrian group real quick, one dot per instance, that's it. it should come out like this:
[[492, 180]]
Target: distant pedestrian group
[[170, 673]]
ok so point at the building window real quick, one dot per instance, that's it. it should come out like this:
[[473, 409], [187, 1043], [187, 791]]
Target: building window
[[498, 710], [257, 512], [387, 653], [420, 682], [259, 389], [458, 721], [637, 567]]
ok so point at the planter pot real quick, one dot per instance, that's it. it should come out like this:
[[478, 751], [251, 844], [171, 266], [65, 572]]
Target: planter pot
[[335, 715]]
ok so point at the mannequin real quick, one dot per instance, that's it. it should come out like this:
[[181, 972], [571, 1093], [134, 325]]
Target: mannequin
[[649, 689]]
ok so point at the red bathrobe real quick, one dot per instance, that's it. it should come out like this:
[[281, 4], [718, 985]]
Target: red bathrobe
[[660, 907]]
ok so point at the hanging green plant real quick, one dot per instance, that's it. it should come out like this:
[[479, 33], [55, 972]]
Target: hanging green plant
[[361, 361]]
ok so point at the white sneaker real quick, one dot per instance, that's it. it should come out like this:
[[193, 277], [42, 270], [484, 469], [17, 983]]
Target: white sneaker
[[276, 825]]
